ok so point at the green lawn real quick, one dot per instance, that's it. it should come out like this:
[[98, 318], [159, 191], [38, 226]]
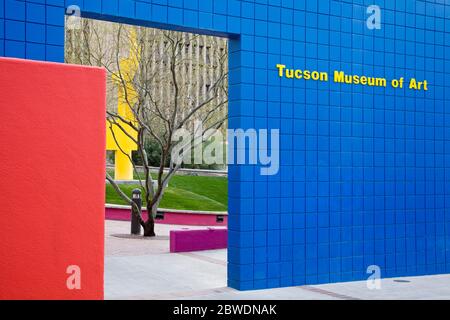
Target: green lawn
[[185, 192]]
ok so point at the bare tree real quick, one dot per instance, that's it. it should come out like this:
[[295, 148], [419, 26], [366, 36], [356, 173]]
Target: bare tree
[[163, 93]]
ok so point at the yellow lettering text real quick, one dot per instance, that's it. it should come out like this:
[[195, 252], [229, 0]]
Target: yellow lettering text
[[281, 68]]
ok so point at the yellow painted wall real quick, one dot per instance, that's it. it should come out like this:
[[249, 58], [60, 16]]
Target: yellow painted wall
[[116, 139]]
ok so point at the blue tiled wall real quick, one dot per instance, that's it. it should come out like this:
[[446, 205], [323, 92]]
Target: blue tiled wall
[[365, 172]]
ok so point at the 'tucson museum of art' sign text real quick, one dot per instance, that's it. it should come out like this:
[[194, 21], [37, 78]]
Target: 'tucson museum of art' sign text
[[342, 77]]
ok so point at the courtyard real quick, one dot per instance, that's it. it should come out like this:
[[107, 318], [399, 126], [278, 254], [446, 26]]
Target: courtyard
[[316, 179]]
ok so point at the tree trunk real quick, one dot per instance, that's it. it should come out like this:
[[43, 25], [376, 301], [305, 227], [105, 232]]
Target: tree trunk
[[149, 226]]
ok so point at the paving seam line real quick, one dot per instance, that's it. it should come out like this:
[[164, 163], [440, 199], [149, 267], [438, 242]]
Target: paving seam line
[[328, 293], [203, 258]]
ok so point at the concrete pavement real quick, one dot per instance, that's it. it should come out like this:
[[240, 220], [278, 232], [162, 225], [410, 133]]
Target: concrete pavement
[[144, 269]]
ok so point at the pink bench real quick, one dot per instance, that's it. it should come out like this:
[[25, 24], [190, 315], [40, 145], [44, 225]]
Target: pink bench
[[198, 240]]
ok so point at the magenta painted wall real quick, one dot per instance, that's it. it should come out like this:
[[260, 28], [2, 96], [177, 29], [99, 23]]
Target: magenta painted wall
[[198, 240], [177, 218]]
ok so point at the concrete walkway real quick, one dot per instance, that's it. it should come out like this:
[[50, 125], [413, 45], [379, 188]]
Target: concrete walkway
[[144, 269]]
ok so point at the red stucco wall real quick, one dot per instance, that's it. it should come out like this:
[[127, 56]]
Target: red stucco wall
[[52, 155]]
